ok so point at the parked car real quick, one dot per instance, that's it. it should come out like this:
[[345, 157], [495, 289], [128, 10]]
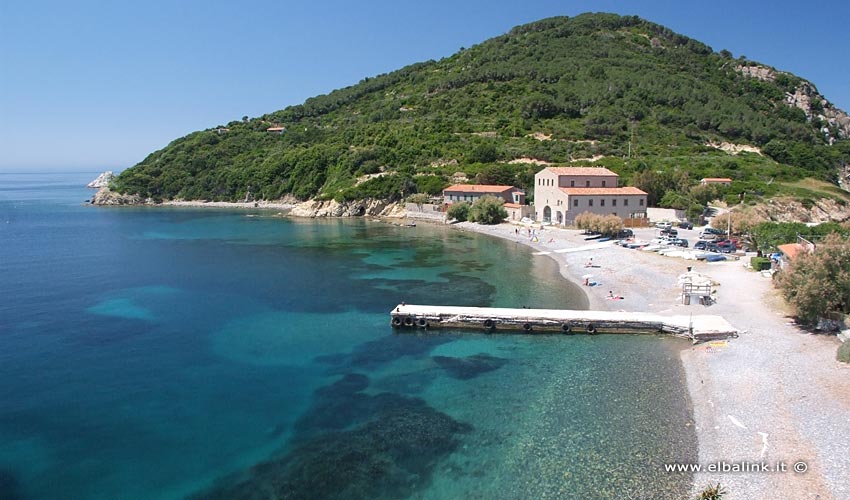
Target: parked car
[[700, 245], [711, 230], [685, 225], [669, 232], [663, 225], [711, 246], [726, 247], [708, 236], [625, 233], [680, 242]]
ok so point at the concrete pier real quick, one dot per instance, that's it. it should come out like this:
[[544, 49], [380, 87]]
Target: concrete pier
[[492, 319]]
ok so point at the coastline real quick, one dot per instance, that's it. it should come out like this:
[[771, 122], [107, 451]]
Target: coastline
[[775, 396]]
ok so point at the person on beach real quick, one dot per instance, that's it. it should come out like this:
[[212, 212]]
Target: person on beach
[[589, 263]]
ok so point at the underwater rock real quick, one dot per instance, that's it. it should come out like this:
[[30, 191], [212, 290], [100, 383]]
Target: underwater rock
[[470, 366], [9, 488], [391, 455]]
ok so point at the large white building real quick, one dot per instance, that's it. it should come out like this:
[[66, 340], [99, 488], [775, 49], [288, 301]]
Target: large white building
[[562, 193]]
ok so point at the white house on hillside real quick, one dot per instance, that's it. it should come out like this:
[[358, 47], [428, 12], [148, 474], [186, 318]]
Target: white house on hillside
[[562, 193]]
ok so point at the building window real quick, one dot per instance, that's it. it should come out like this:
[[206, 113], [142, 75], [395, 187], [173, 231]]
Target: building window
[[575, 202], [640, 202], [614, 202], [626, 202], [602, 202], [590, 202], [572, 184], [603, 183], [586, 183]]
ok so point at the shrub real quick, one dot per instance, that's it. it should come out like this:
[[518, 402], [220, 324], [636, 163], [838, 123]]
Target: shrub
[[488, 210], [843, 354], [818, 284], [760, 263], [714, 492], [458, 211]]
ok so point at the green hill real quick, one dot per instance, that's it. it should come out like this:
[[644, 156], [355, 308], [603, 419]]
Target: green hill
[[634, 96]]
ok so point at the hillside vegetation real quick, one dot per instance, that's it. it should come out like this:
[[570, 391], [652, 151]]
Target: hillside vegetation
[[628, 94]]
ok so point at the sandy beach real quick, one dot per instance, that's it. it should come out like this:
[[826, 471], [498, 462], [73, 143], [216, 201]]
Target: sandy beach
[[773, 397]]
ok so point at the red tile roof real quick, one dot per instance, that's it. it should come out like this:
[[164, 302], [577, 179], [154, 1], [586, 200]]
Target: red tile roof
[[478, 188], [790, 249], [512, 205], [600, 191], [582, 171], [717, 179]]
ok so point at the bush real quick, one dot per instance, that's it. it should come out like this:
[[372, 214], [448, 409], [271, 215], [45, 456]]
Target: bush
[[760, 263], [818, 284], [458, 211], [608, 225], [488, 210], [843, 354], [714, 492]]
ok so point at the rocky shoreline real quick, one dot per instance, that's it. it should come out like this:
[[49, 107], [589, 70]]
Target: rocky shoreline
[[310, 208]]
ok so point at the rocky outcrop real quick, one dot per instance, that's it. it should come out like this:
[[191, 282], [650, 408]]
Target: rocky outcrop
[[356, 208], [105, 197], [807, 98], [790, 210], [102, 180], [734, 149], [758, 72]]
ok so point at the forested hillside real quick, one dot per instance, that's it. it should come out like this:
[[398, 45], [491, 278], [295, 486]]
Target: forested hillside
[[650, 104]]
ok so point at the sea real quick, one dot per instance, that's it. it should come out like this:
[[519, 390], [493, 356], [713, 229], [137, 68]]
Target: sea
[[165, 353]]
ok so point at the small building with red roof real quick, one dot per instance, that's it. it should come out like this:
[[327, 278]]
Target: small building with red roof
[[471, 192]]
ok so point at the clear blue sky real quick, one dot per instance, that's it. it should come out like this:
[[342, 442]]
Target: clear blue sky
[[100, 84]]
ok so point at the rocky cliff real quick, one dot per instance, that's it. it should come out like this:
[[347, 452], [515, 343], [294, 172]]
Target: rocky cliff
[[106, 197], [790, 210], [332, 208], [836, 122], [102, 180]]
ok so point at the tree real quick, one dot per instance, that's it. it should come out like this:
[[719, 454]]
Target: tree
[[742, 221], [458, 211], [817, 284], [488, 210], [419, 199]]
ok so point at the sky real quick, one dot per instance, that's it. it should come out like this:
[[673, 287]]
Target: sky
[[96, 85]]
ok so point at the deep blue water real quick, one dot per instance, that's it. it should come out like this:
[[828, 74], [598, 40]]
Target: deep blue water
[[165, 353]]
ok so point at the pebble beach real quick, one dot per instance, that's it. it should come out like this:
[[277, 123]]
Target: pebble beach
[[774, 398]]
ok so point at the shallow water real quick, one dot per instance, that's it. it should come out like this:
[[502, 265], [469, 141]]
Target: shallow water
[[160, 353]]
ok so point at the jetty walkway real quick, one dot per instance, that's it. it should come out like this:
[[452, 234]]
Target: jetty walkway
[[698, 328]]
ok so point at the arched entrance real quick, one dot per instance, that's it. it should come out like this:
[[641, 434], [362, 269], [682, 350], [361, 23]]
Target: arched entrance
[[560, 217], [547, 214]]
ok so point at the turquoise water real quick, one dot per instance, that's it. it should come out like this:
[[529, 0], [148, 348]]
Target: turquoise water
[[172, 353]]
